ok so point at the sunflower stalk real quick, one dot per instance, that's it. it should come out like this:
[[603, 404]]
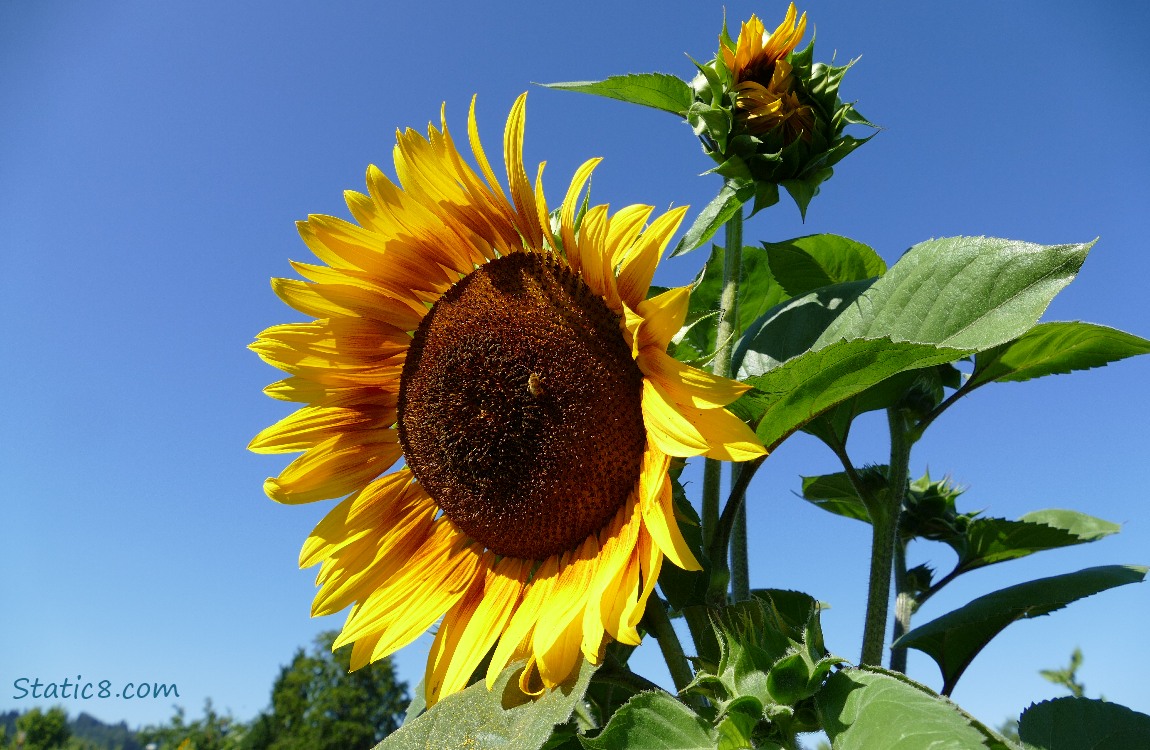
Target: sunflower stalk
[[657, 620], [884, 524], [712, 470]]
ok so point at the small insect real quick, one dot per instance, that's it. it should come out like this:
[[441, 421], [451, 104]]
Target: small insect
[[535, 384]]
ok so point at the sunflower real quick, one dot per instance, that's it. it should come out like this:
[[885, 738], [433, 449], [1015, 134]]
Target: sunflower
[[765, 94], [520, 371]]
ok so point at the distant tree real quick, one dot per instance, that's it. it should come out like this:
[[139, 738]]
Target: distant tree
[[318, 703], [43, 730], [214, 731]]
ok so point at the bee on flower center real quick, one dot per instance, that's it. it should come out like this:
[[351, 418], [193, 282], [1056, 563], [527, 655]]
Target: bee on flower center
[[535, 384]]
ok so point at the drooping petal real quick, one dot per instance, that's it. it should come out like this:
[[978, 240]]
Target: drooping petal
[[469, 631], [688, 385], [657, 504], [522, 623]]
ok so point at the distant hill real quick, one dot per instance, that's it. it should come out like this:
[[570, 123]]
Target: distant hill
[[95, 734]]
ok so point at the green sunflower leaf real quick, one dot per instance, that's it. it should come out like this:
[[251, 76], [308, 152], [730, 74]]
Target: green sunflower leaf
[[869, 707], [987, 541], [792, 327], [954, 639], [715, 214], [970, 293], [913, 386], [792, 394], [1054, 349], [1082, 724], [804, 264], [835, 493], [758, 293], [659, 90], [653, 721], [476, 717]]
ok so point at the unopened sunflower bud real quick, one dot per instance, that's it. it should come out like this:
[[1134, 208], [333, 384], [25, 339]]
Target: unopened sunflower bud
[[768, 115]]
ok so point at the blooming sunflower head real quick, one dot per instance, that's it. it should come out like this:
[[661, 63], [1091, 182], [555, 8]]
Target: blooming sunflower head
[[769, 114], [518, 368]]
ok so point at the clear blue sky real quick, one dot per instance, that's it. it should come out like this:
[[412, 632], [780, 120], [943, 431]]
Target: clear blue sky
[[153, 159]]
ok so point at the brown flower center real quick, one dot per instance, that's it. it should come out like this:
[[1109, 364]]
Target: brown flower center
[[520, 407]]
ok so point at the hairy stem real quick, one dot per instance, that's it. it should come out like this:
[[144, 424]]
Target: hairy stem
[[721, 366], [884, 526]]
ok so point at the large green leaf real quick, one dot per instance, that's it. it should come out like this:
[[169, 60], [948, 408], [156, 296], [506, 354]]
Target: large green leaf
[[954, 639], [1055, 349], [475, 717], [986, 541], [903, 389], [790, 395], [868, 708], [758, 293], [962, 292], [652, 721], [1083, 724], [792, 327], [658, 90], [806, 263]]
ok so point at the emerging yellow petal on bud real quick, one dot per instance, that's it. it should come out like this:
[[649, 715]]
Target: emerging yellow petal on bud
[[756, 51]]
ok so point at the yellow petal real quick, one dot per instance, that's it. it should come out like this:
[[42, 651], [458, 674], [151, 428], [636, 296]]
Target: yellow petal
[[345, 301], [682, 431], [567, 214], [638, 268], [597, 271], [522, 623], [619, 542], [346, 522], [667, 428], [357, 570], [520, 184], [559, 630], [687, 385], [650, 562], [428, 585], [663, 316], [335, 467], [310, 426], [659, 511], [470, 630]]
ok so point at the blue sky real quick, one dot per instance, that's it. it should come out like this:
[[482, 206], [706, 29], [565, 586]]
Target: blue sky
[[153, 160]]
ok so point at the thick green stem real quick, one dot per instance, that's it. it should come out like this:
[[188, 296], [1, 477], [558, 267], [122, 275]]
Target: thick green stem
[[903, 606], [740, 570], [731, 266], [712, 481], [884, 525], [660, 626], [721, 366]]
